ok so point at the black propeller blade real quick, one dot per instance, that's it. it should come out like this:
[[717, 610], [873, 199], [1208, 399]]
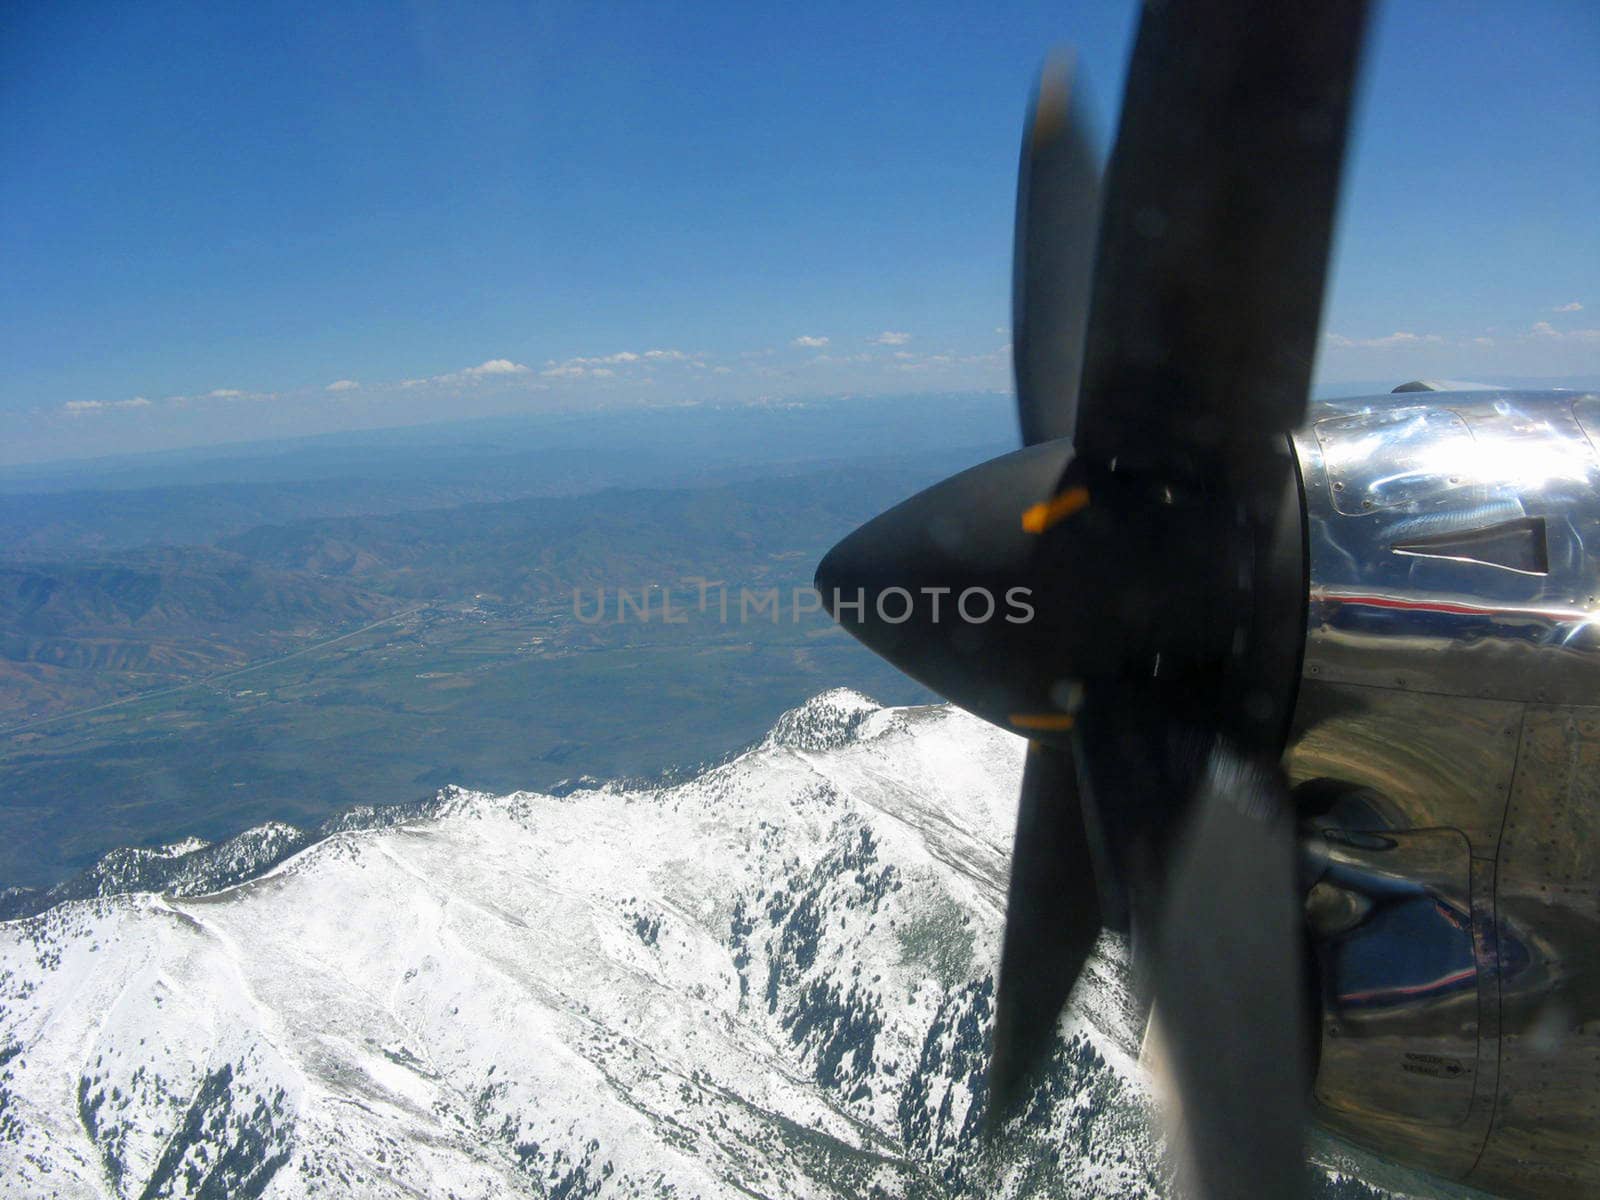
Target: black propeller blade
[[1218, 213], [1229, 992], [1160, 557], [1058, 208], [1052, 921]]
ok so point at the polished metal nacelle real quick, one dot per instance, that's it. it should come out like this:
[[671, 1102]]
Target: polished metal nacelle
[[1446, 752]]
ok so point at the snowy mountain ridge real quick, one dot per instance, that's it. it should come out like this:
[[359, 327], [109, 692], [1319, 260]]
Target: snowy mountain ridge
[[774, 979]]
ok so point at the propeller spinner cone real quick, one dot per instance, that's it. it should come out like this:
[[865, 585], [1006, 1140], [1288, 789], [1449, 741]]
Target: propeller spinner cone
[[962, 587]]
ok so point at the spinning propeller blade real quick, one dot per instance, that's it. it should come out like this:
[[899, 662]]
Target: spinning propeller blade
[[1165, 325]]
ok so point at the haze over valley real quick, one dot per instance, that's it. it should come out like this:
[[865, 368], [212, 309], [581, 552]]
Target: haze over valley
[[276, 632]]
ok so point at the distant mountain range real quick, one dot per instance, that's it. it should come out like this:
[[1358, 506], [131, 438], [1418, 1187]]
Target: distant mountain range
[[774, 979], [482, 676], [196, 496]]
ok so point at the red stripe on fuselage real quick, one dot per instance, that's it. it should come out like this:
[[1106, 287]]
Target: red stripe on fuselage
[[1413, 989], [1450, 608]]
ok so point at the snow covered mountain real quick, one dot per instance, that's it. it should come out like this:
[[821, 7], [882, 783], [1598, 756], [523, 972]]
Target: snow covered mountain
[[772, 980]]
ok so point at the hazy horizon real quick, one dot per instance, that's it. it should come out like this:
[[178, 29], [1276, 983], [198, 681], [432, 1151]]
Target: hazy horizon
[[14, 470]]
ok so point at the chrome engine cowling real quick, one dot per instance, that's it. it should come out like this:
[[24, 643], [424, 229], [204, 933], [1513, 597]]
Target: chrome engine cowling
[[1446, 751]]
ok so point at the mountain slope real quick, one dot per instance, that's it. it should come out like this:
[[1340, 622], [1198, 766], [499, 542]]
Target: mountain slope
[[74, 634], [772, 980]]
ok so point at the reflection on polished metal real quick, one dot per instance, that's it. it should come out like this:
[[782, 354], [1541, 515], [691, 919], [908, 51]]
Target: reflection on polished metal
[[1447, 748]]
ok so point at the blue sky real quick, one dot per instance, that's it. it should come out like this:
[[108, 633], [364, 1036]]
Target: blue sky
[[210, 215]]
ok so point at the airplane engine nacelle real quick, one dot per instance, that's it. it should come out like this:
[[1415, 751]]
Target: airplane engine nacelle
[[1446, 752]]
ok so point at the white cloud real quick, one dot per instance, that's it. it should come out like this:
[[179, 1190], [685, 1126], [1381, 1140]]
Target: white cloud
[[1387, 342], [621, 356], [1546, 332], [1573, 307], [910, 362], [606, 374], [602, 365], [495, 366], [1522, 347], [88, 406]]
